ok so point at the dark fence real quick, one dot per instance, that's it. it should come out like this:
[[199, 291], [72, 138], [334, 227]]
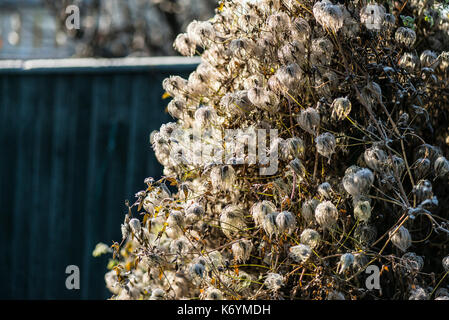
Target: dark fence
[[74, 146]]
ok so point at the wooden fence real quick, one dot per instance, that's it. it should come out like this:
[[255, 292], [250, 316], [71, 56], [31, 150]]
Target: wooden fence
[[74, 146]]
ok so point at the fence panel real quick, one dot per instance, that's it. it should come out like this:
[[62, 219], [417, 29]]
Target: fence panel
[[74, 140]]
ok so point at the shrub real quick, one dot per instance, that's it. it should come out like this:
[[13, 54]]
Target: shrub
[[350, 104]]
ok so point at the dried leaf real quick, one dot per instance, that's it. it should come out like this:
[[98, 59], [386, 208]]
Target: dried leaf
[[166, 95]]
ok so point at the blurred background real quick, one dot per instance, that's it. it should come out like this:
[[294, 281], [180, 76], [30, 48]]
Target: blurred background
[[76, 110]]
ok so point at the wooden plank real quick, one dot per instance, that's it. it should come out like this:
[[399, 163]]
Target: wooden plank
[[95, 177], [22, 188], [39, 205], [8, 138]]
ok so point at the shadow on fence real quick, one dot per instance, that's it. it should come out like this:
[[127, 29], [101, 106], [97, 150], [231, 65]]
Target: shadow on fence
[[74, 146]]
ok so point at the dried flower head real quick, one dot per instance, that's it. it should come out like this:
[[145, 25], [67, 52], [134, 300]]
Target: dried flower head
[[441, 167], [405, 36], [362, 210], [274, 281], [301, 29], [346, 261], [341, 108], [373, 16], [213, 294], [222, 177], [242, 250], [422, 167], [429, 59], [135, 226], [157, 294], [325, 190], [194, 212], [297, 167], [260, 209], [326, 144], [357, 180], [290, 76], [365, 234], [326, 214], [423, 190], [408, 61], [232, 221], [309, 120], [296, 147], [269, 224], [286, 222], [184, 45], [328, 15], [375, 158], [418, 293], [412, 262], [401, 238], [308, 209], [445, 263], [300, 253], [310, 237]]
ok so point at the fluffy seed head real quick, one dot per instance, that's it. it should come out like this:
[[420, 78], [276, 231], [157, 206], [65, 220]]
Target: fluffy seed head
[[326, 144], [357, 181], [286, 222], [260, 209], [194, 212], [242, 250], [341, 107], [375, 158], [309, 120], [373, 16], [445, 263], [308, 209], [441, 167], [408, 61], [328, 15], [346, 261], [222, 177], [362, 211], [296, 147], [326, 214], [290, 76], [274, 281], [232, 221], [310, 237], [401, 238], [412, 262], [135, 226], [365, 234], [429, 59], [269, 224], [405, 36], [213, 294], [300, 253], [325, 190], [184, 45]]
